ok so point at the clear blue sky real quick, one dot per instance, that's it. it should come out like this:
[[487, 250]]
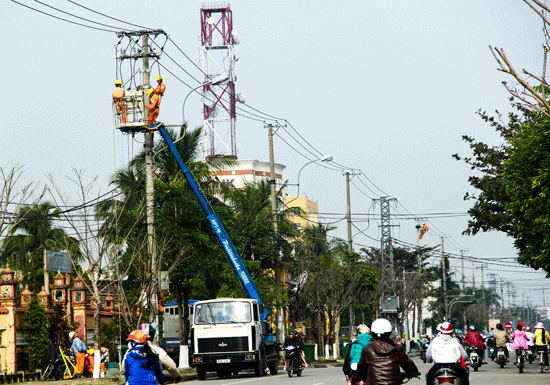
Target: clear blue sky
[[387, 87]]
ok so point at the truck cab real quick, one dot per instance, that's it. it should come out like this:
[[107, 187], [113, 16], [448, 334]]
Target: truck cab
[[228, 335]]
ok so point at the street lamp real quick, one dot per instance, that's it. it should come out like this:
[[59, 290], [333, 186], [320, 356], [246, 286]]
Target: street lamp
[[327, 158], [455, 301], [214, 82]]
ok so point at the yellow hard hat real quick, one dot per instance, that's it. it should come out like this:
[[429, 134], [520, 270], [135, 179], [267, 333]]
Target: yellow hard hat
[[159, 77], [118, 82], [91, 351], [149, 91]]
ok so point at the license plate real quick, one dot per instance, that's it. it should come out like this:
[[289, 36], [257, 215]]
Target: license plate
[[223, 361]]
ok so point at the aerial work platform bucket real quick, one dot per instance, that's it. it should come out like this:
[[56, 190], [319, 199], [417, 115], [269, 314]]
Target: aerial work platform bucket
[[128, 114]]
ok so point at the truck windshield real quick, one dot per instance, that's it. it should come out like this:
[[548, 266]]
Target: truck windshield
[[223, 312]]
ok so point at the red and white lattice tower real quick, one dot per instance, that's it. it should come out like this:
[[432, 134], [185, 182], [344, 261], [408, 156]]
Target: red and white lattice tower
[[218, 62]]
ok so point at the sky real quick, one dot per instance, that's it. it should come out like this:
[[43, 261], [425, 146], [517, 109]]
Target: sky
[[387, 87]]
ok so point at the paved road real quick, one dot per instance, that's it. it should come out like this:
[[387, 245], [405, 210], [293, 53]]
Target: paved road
[[489, 374]]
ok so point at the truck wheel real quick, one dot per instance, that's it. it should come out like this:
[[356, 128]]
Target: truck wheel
[[273, 367], [201, 372]]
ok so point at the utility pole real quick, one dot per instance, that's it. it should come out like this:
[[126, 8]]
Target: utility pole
[[463, 277], [278, 276], [149, 183], [350, 246], [348, 197], [483, 266], [502, 298], [444, 274]]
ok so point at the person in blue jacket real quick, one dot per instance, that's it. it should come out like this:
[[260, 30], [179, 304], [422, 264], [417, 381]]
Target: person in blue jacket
[[363, 339], [141, 365]]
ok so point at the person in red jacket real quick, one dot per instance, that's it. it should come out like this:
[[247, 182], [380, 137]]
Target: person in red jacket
[[474, 338]]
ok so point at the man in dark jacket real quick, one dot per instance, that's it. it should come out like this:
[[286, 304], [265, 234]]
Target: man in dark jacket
[[382, 359]]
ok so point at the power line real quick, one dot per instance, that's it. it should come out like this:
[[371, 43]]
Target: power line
[[110, 17], [60, 18]]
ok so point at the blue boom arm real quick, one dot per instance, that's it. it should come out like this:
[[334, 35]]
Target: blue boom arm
[[230, 252]]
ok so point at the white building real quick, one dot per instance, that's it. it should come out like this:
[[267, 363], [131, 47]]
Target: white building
[[249, 171]]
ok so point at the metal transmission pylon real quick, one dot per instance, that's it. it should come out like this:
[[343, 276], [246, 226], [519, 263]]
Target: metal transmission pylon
[[386, 246], [218, 60]]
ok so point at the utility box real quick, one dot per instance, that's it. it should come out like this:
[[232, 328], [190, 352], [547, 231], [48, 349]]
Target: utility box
[[309, 352]]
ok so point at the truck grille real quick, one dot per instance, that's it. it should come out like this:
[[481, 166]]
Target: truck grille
[[233, 344]]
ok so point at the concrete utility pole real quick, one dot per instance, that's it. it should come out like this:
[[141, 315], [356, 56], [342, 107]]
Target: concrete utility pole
[[149, 184], [348, 196], [444, 274], [350, 246], [463, 277], [278, 275]]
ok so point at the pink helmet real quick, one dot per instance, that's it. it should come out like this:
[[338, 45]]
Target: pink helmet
[[539, 325]]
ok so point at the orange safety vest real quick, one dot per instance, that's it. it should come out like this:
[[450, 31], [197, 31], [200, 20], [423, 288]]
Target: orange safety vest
[[155, 102], [160, 89], [119, 93]]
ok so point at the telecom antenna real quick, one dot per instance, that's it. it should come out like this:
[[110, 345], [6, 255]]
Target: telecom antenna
[[218, 60]]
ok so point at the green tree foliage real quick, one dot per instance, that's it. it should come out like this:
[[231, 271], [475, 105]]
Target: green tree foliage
[[59, 326], [35, 232], [36, 331], [512, 180]]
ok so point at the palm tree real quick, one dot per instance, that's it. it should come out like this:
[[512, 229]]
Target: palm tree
[[25, 245]]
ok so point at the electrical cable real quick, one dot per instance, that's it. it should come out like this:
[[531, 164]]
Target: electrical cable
[[60, 18], [78, 17], [110, 17]]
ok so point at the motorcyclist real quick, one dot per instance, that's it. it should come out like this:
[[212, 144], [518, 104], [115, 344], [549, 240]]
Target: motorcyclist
[[363, 338], [447, 352], [501, 341], [542, 338], [381, 359], [296, 341], [474, 339]]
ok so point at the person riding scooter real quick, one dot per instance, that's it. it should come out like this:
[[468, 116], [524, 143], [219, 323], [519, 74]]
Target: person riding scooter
[[447, 352], [474, 339]]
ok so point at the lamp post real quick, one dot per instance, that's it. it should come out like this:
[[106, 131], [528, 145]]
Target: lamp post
[[327, 158], [455, 301], [214, 82]]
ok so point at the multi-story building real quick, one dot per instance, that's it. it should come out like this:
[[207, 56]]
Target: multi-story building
[[249, 171]]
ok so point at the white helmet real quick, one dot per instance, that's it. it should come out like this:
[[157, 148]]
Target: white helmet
[[381, 326]]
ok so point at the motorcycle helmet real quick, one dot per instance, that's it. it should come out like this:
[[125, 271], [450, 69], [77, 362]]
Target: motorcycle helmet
[[446, 328], [293, 333], [381, 326], [363, 329], [138, 337], [499, 326], [473, 327]]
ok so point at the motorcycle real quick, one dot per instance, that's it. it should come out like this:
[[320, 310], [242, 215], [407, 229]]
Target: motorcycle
[[54, 369], [475, 359], [293, 361], [520, 360], [446, 376], [423, 348], [529, 355], [501, 357], [404, 378], [541, 352]]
